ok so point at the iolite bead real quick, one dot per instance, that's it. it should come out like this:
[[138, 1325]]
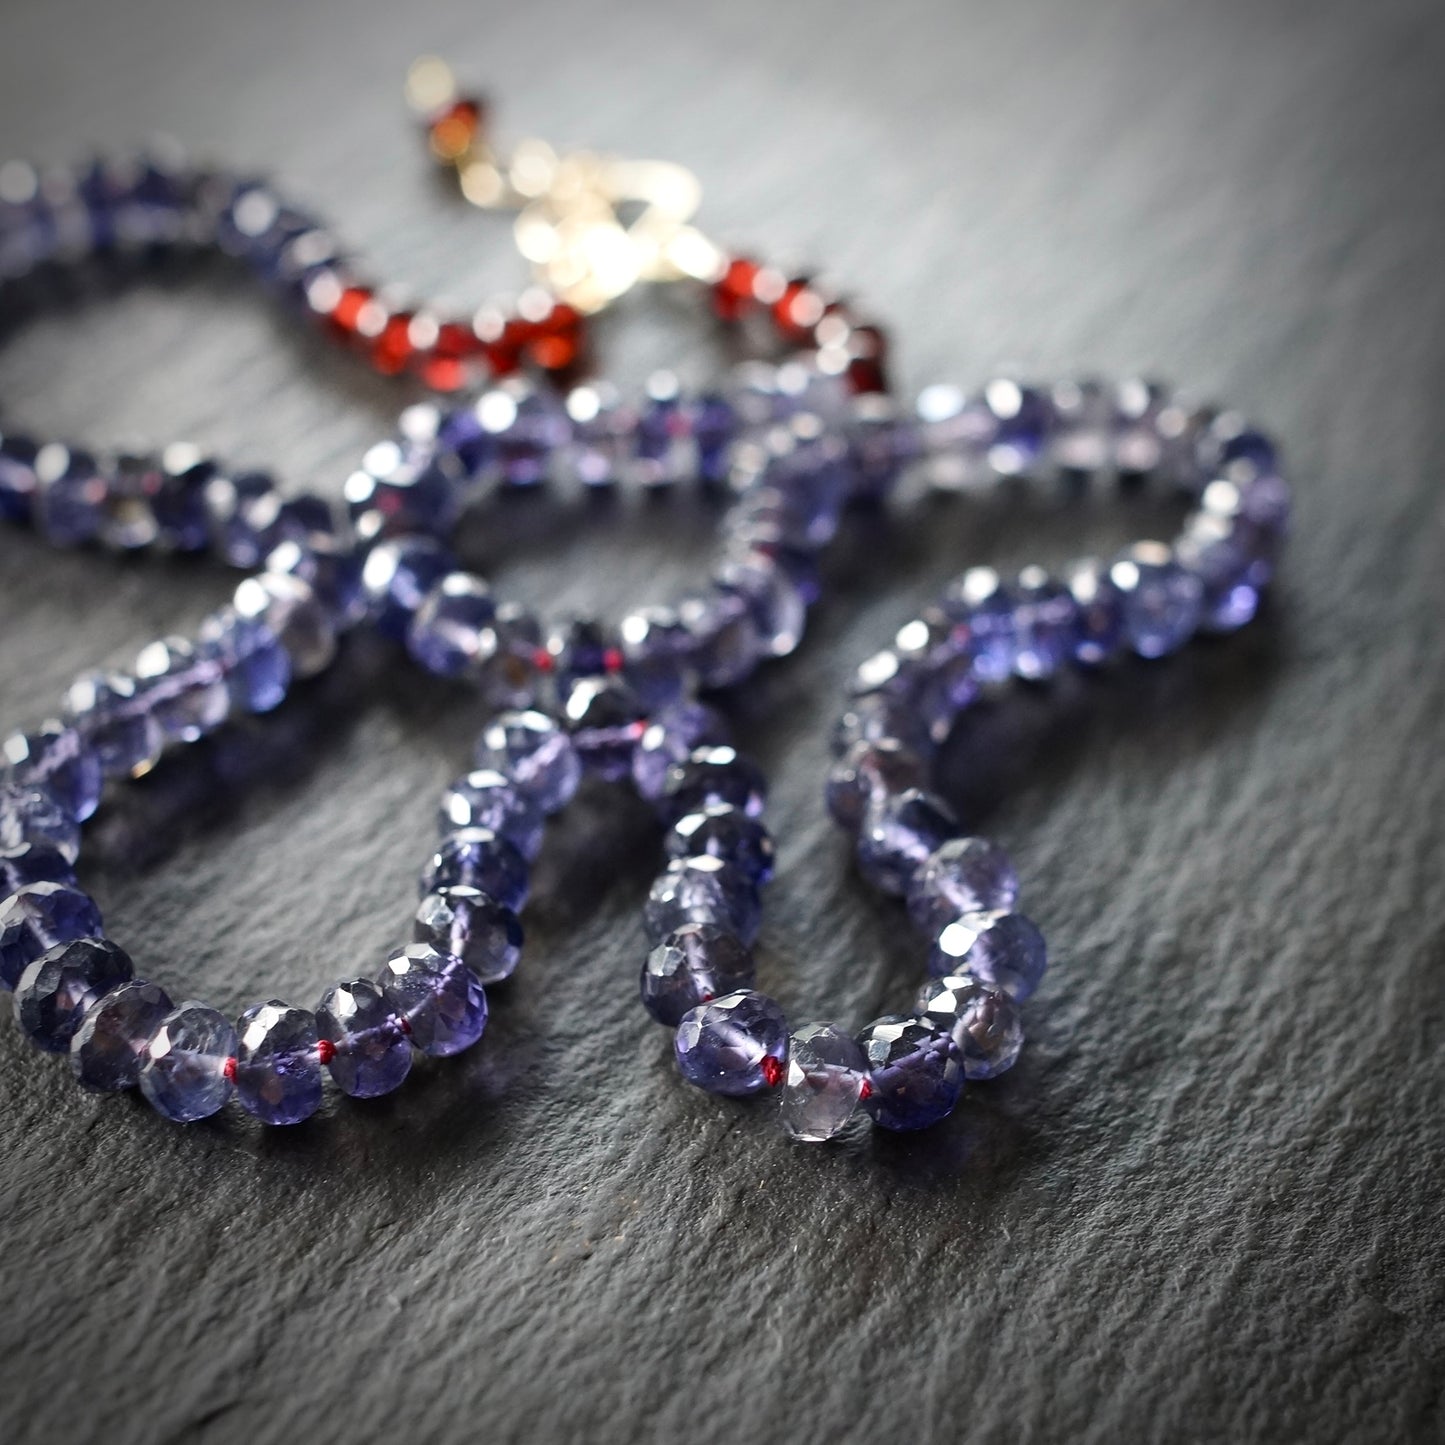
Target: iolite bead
[[671, 737], [605, 720], [703, 890], [245, 516], [479, 858], [988, 607], [396, 577], [899, 832], [278, 1071], [692, 965], [964, 875], [451, 632], [531, 750], [915, 1076], [725, 833], [485, 799], [1045, 624], [710, 777], [31, 814], [33, 863], [57, 988], [484, 934], [826, 1078], [1099, 613], [186, 693], [56, 757], [369, 1053], [188, 1064], [256, 668], [999, 948], [735, 1045], [294, 615], [984, 1023], [1221, 558], [112, 714], [108, 1048], [1161, 601], [439, 997], [38, 917], [869, 773], [331, 569], [779, 612]]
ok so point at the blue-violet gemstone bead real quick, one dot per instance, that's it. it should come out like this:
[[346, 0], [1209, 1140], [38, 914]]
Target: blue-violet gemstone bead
[[71, 495], [1161, 600], [713, 776], [727, 833], [186, 693], [867, 774], [1099, 617], [396, 577], [481, 859], [898, 834], [672, 736], [778, 609], [37, 917], [485, 799], [179, 503], [726, 643], [56, 989], [989, 608], [401, 492], [294, 615], [369, 1052], [915, 1076], [531, 750], [441, 1000], [246, 521], [964, 875], [451, 633], [189, 1063], [278, 1065], [113, 716], [107, 1049], [33, 863], [605, 720], [983, 1023], [1045, 622], [55, 756], [470, 925], [31, 814], [1219, 555], [256, 668], [827, 1071], [703, 890], [1003, 949], [17, 471], [331, 569], [694, 964], [736, 1045]]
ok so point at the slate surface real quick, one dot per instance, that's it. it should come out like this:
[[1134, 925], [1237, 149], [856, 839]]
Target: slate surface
[[1207, 1204]]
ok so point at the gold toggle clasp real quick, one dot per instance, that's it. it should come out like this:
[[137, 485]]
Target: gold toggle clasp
[[593, 226]]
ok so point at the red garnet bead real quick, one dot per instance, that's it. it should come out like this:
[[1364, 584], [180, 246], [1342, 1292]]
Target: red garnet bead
[[733, 295], [392, 350], [556, 340], [798, 310], [350, 306], [446, 364], [868, 363], [453, 129]]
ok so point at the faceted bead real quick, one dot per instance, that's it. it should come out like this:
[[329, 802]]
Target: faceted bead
[[55, 756], [879, 718], [965, 875], [57, 988], [1099, 615], [672, 736], [1210, 548], [957, 432], [38, 917], [692, 965], [113, 717], [531, 750], [898, 834], [256, 668], [370, 1053], [1023, 420], [179, 503], [868, 773], [998, 948], [1161, 600], [984, 1023], [602, 429], [703, 890], [438, 996], [17, 470], [507, 670], [735, 1045], [245, 514], [915, 1076], [331, 570], [128, 520], [404, 491], [989, 609], [479, 858], [1231, 446], [186, 693], [526, 427], [70, 498], [470, 925], [945, 692], [1045, 619], [33, 863], [278, 1070], [714, 424], [778, 610], [606, 721], [293, 614], [107, 1050], [711, 776], [451, 631], [485, 799], [579, 648], [726, 641], [827, 1070], [29, 814], [727, 833], [186, 1072], [396, 577], [1083, 432]]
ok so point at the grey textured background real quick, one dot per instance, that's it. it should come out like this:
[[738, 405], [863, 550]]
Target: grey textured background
[[1207, 1204]]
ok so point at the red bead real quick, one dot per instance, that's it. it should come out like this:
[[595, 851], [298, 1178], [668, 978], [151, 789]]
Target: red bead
[[865, 1091], [772, 1070], [349, 308], [230, 1070], [612, 659], [733, 295], [868, 369], [798, 310], [556, 340], [452, 130], [325, 1051], [392, 350]]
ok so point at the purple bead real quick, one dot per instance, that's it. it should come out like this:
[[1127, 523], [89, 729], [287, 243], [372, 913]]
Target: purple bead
[[1161, 600], [915, 1076], [713, 424], [672, 736], [370, 1054], [186, 1072], [827, 1070], [509, 661], [579, 648], [1045, 616], [57, 988], [983, 1023], [898, 834], [868, 773], [999, 948], [479, 858], [245, 515], [965, 875], [485, 799], [31, 814], [185, 693], [1023, 420], [331, 570], [981, 601], [439, 997], [606, 720], [725, 833], [711, 777], [692, 965], [703, 890], [726, 642], [526, 427], [451, 632], [71, 495], [778, 610], [128, 520], [254, 665], [602, 430], [179, 504], [735, 1045], [293, 614], [113, 717], [1230, 447], [55, 756], [17, 473], [396, 577], [37, 917], [108, 1048], [404, 492], [470, 925], [1099, 613], [535, 754], [33, 863], [278, 1071], [1210, 548]]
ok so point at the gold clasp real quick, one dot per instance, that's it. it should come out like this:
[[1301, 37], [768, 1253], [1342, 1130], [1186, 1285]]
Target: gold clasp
[[593, 226]]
